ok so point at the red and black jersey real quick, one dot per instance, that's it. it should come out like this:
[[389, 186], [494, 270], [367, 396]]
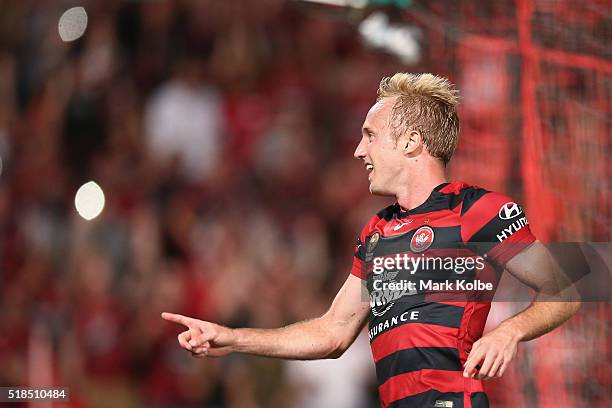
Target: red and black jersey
[[420, 335]]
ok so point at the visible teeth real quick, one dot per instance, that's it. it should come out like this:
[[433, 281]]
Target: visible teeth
[[369, 167]]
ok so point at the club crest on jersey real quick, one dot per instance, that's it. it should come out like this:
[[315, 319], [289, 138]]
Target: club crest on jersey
[[509, 211], [372, 243], [422, 239]]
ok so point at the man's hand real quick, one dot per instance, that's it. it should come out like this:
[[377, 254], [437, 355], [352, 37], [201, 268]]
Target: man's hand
[[203, 339], [492, 353]]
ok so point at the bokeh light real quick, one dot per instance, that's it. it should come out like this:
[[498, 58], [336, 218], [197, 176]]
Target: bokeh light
[[72, 24], [89, 200]]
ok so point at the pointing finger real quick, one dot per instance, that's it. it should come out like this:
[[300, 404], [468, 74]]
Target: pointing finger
[[180, 319]]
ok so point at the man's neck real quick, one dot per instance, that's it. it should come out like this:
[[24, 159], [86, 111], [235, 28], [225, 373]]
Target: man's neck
[[416, 193]]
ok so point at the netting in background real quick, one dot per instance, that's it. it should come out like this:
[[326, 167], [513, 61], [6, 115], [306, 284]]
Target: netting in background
[[535, 80], [536, 86], [567, 68]]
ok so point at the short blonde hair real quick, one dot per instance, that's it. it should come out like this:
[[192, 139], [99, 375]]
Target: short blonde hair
[[426, 103]]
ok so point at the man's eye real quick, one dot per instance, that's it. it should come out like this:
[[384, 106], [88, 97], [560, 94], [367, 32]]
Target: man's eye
[[370, 138]]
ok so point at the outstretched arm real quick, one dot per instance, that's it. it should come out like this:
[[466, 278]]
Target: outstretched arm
[[327, 336], [555, 303]]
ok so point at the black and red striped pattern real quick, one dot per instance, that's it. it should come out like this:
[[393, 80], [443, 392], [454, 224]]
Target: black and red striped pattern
[[420, 340]]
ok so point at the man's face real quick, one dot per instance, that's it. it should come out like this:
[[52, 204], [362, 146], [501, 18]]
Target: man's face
[[383, 158]]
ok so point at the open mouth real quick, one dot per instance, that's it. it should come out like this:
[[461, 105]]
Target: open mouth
[[369, 168]]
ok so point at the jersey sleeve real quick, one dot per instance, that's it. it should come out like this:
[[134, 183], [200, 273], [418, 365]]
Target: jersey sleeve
[[496, 226], [359, 267]]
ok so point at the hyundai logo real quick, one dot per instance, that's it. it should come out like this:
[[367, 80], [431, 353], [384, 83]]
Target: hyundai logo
[[509, 210]]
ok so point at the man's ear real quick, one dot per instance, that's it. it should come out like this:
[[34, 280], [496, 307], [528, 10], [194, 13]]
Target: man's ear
[[412, 142]]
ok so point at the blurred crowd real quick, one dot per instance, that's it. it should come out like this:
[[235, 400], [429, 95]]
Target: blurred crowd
[[221, 133]]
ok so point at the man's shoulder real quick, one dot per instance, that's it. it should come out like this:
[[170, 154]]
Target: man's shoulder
[[463, 189], [468, 195]]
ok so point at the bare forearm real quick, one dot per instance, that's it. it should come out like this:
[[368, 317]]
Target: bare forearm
[[540, 318], [306, 340], [327, 336], [557, 299]]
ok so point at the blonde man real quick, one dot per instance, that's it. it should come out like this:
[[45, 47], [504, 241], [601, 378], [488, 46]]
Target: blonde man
[[428, 347]]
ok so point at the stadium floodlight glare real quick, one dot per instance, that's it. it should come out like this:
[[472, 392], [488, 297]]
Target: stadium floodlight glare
[[401, 40], [89, 200], [341, 3], [72, 24]]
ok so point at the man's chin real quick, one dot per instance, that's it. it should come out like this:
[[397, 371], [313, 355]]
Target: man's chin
[[374, 190]]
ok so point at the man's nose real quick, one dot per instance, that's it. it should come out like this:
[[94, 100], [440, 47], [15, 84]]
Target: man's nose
[[360, 151]]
